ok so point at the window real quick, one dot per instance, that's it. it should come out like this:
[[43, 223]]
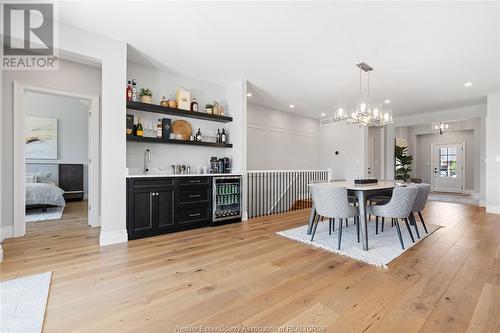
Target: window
[[448, 162]]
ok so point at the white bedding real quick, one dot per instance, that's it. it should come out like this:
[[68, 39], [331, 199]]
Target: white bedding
[[44, 194]]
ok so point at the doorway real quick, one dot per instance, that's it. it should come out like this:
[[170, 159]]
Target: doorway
[[56, 157], [448, 167]]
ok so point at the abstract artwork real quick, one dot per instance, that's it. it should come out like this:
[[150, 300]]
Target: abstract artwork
[[41, 138]]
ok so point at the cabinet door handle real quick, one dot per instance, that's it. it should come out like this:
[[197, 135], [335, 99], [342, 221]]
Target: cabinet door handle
[[193, 215], [195, 195], [151, 209], [194, 181]]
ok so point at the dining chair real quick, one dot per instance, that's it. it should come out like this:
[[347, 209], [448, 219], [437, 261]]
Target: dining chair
[[331, 202], [423, 191], [399, 207]]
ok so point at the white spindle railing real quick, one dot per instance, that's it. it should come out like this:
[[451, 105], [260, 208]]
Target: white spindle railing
[[277, 191]]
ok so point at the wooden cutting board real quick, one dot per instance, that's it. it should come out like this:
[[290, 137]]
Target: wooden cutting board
[[183, 128]]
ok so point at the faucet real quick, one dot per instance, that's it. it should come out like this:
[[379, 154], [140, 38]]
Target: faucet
[[147, 159]]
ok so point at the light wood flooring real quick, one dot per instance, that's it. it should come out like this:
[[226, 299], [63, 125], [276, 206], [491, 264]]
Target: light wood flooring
[[245, 275]]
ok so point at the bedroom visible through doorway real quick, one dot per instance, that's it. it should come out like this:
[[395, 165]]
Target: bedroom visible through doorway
[[60, 151]]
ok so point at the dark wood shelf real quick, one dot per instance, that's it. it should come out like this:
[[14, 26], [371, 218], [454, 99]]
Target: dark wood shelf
[[176, 112], [179, 142]]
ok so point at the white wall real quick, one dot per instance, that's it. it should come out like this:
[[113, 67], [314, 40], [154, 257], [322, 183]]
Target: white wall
[[72, 77], [72, 120], [351, 143], [493, 154], [280, 140], [164, 83]]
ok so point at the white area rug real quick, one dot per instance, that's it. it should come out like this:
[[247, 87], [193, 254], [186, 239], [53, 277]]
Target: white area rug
[[52, 213], [382, 248], [23, 303], [464, 199]]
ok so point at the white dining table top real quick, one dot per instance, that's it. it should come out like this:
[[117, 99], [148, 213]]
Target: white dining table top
[[380, 185]]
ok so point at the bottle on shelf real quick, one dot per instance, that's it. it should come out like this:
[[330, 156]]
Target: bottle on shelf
[[194, 105], [223, 136], [129, 91], [217, 140], [159, 129], [134, 91], [198, 135], [139, 130]]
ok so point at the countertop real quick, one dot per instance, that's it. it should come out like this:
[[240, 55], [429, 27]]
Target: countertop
[[155, 175]]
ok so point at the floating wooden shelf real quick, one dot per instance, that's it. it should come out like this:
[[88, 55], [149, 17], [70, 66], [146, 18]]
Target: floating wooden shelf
[[179, 142], [176, 112]]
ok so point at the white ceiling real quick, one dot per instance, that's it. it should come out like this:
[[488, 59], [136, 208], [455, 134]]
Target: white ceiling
[[304, 53]]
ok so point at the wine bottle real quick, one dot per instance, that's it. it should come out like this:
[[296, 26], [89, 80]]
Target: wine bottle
[[223, 136], [139, 130], [159, 129], [218, 136], [134, 90], [129, 91], [198, 135]]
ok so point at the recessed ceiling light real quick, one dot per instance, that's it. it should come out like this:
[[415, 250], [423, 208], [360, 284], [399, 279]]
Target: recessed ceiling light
[[249, 94], [387, 101], [291, 106], [323, 114], [467, 84]]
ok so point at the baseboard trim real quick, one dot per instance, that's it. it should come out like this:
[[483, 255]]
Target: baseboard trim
[[1, 253], [244, 216], [482, 203], [6, 232], [492, 209], [113, 237]]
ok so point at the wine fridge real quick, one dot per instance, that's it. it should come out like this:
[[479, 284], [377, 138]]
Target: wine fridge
[[226, 198]]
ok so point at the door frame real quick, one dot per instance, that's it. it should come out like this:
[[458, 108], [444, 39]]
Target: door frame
[[19, 161], [433, 145]]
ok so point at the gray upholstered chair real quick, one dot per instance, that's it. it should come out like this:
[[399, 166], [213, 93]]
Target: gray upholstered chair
[[423, 191], [331, 202], [399, 207]]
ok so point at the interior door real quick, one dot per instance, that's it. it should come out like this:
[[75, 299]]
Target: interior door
[[448, 168]]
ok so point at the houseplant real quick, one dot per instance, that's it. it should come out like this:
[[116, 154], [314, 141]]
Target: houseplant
[[403, 163], [145, 94]]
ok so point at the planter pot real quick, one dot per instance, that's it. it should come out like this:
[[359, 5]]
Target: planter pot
[[146, 99]]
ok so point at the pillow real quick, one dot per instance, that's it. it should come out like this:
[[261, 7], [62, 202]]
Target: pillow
[[30, 178], [44, 177]]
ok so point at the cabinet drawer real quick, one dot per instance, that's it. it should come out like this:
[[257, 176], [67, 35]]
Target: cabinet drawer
[[162, 182], [185, 181], [193, 195], [193, 212]]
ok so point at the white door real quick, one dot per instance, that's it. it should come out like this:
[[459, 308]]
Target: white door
[[448, 167]]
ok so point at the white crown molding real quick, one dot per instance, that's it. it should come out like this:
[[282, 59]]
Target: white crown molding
[[113, 237]]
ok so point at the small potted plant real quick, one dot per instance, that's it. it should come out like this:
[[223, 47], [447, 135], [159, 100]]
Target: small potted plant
[[146, 94]]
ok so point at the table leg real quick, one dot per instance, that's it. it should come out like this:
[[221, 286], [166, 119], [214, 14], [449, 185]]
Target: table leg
[[311, 220], [363, 221]]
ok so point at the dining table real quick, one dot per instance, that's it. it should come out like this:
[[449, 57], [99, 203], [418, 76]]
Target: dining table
[[361, 191]]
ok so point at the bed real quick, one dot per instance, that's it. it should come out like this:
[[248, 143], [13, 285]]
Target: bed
[[42, 192]]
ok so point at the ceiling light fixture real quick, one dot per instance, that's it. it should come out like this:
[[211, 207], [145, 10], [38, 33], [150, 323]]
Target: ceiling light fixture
[[364, 113], [323, 114], [441, 127], [291, 106], [249, 94], [467, 84]]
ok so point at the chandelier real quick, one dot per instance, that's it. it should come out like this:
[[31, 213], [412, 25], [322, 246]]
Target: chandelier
[[441, 127], [364, 113]]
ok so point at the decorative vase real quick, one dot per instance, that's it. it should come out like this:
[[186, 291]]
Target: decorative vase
[[146, 99]]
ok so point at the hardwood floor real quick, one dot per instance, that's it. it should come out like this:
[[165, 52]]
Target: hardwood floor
[[244, 274]]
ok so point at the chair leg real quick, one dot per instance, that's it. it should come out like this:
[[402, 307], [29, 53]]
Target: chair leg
[[423, 223], [383, 220], [346, 222], [412, 219], [394, 221], [357, 227], [376, 225], [340, 232], [330, 226], [315, 227], [333, 224], [409, 230]]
